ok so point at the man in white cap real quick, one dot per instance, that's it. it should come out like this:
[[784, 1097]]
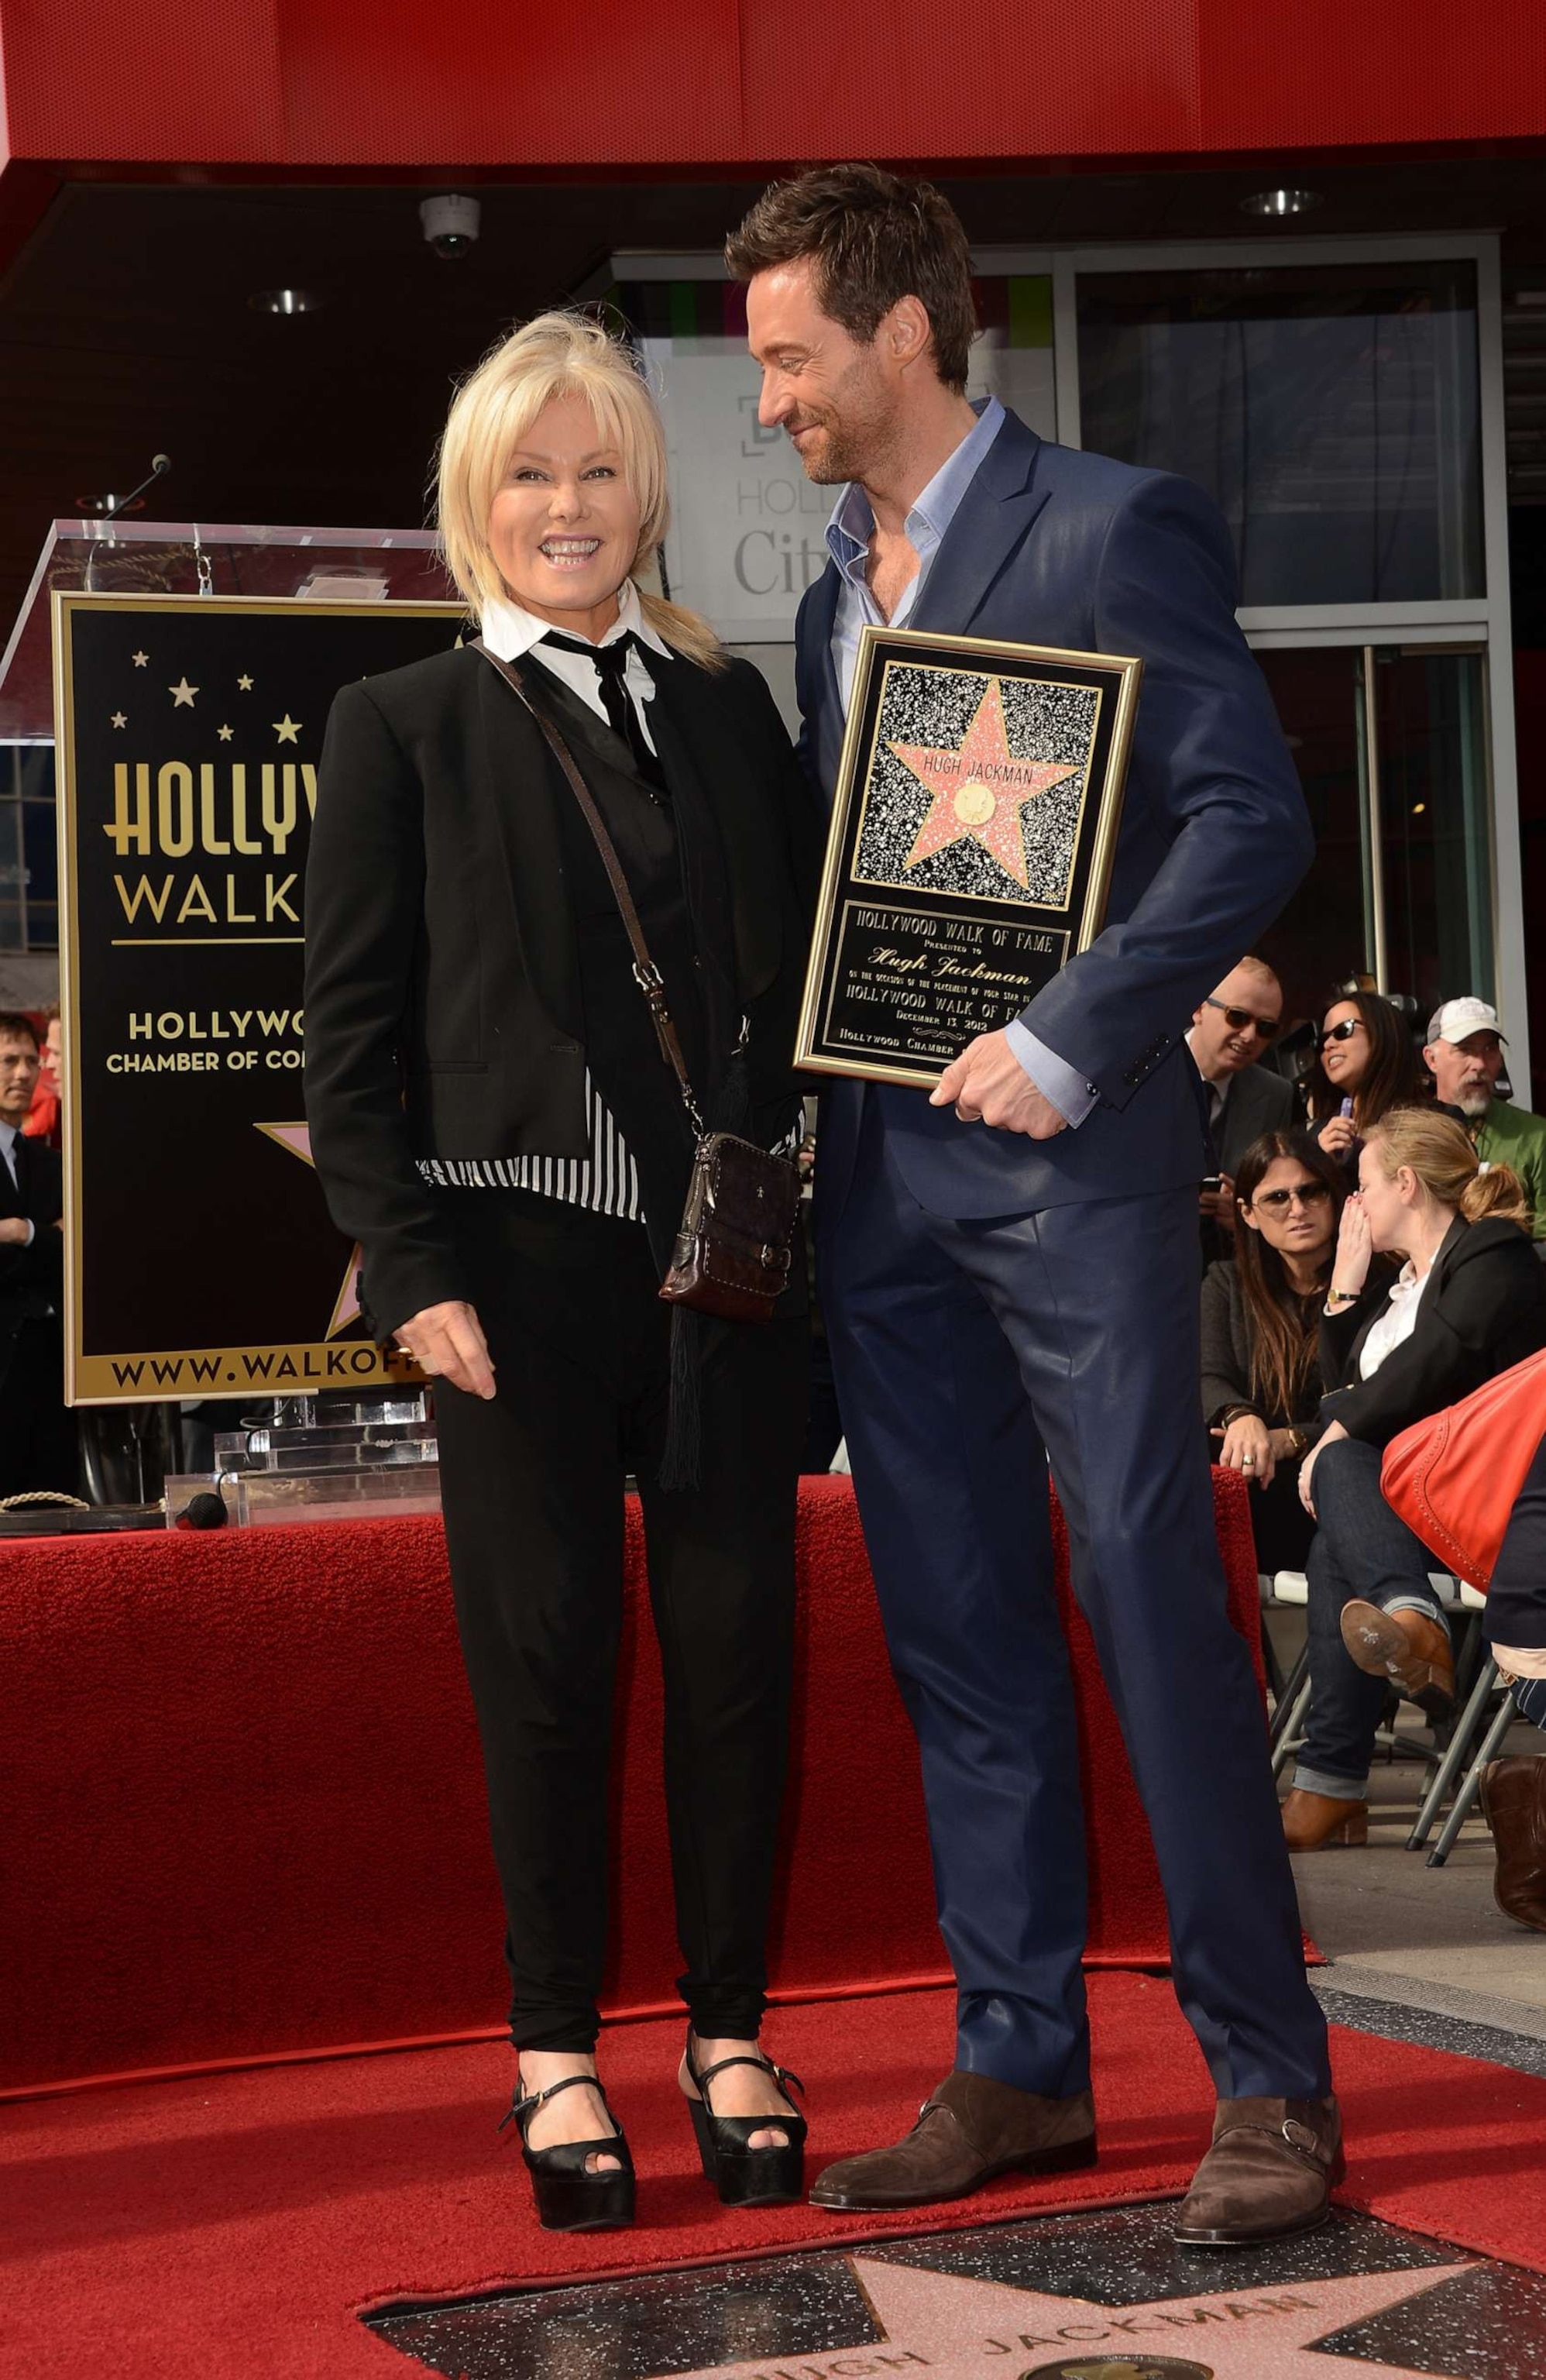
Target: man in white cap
[[1465, 1056]]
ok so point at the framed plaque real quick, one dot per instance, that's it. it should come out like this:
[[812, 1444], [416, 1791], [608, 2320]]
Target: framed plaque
[[971, 848]]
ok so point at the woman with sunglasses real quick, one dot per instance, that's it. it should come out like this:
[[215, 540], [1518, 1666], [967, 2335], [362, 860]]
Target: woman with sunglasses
[[1260, 1315], [1366, 1066], [1469, 1302]]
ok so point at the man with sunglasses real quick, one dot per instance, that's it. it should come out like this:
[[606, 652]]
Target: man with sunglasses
[[1235, 1025]]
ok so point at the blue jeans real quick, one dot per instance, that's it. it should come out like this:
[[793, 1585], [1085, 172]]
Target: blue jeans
[[1360, 1550]]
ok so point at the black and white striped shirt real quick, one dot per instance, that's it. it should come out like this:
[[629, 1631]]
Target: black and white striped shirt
[[607, 1181]]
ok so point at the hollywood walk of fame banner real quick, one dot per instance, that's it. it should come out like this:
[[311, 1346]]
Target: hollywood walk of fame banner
[[970, 846], [200, 1259]]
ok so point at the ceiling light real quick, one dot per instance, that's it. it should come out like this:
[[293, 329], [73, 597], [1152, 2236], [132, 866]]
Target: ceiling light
[[286, 302], [1280, 203]]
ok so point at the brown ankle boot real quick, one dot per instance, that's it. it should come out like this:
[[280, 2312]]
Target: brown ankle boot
[[1268, 2174], [1514, 1797], [1312, 1821], [1406, 1646]]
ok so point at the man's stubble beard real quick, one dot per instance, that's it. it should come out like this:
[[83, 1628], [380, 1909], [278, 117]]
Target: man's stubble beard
[[1473, 1104]]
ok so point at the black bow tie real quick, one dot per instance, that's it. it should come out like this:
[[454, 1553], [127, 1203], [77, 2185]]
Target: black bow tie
[[610, 662]]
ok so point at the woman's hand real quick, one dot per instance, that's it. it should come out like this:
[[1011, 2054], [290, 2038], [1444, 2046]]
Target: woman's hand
[[1307, 1469], [1355, 1246], [1336, 1134], [447, 1342], [1248, 1448]]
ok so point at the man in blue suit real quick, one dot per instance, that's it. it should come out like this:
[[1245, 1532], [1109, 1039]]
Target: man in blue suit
[[1008, 1266]]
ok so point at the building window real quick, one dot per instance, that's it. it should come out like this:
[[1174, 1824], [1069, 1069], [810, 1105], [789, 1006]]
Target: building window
[[1332, 411], [29, 849]]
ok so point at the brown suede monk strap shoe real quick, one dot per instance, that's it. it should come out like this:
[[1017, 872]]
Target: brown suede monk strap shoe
[[971, 2130], [1406, 1646], [1311, 1821], [1514, 1797], [1268, 2174]]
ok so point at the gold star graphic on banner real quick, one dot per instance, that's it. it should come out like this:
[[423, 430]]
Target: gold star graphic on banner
[[979, 790], [139, 659], [287, 729], [964, 2329], [296, 1138], [120, 719], [244, 685], [226, 733], [182, 693]]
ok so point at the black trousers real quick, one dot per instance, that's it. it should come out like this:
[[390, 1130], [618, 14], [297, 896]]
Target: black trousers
[[39, 1445], [533, 1487]]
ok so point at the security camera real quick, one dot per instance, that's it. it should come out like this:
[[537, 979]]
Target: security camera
[[450, 224]]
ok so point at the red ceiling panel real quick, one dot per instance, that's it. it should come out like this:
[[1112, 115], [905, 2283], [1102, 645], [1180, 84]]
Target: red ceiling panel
[[362, 83]]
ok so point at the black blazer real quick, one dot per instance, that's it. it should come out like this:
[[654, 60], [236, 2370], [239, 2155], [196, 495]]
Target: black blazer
[[1483, 1309], [31, 1279], [443, 1002], [1226, 1351], [1258, 1102]]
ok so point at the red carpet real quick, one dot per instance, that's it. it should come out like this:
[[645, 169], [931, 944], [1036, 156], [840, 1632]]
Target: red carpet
[[234, 2225], [244, 1809]]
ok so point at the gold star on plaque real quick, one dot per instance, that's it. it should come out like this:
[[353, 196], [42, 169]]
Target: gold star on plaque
[[226, 733], [182, 693], [244, 685], [120, 719], [139, 659], [287, 729]]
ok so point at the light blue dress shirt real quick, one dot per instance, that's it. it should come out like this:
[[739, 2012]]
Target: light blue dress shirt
[[847, 541]]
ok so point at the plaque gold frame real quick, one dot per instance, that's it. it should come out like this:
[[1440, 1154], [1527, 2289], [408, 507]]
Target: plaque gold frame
[[977, 655]]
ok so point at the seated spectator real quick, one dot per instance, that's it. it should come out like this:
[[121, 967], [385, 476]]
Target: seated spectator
[[1261, 1311], [1230, 1031], [1513, 1790], [1471, 1301], [1465, 1056], [1366, 1067]]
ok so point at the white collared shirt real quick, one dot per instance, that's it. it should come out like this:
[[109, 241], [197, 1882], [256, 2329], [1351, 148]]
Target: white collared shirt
[[511, 631], [1395, 1322], [852, 525]]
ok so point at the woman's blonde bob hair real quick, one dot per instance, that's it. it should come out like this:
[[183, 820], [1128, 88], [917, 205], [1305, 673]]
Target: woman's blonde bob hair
[[1438, 1151], [555, 355]]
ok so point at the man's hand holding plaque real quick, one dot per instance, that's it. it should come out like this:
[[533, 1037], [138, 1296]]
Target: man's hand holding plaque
[[987, 1084]]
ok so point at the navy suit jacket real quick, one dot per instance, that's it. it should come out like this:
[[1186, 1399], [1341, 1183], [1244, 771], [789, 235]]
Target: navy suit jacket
[[1051, 546]]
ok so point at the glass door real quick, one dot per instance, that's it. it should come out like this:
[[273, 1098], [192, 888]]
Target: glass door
[[1390, 742]]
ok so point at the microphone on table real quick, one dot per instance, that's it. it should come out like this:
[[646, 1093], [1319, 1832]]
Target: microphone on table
[[206, 1511], [159, 466]]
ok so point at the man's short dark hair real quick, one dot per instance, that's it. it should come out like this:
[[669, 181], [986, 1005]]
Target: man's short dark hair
[[874, 238], [15, 1025]]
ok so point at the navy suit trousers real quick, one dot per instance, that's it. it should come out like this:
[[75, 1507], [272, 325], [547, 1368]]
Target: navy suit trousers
[[967, 1355]]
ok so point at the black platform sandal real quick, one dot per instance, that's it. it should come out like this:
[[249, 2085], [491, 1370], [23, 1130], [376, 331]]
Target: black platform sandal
[[744, 2176], [570, 2198]]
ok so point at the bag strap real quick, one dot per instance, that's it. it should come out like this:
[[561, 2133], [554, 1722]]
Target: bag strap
[[646, 975]]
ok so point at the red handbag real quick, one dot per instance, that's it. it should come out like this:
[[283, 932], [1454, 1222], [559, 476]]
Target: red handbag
[[1455, 1478]]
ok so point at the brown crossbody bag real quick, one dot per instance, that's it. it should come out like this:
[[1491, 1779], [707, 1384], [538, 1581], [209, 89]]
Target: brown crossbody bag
[[733, 1245]]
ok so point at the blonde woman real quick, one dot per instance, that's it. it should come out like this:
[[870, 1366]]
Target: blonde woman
[[493, 1120], [1470, 1300]]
